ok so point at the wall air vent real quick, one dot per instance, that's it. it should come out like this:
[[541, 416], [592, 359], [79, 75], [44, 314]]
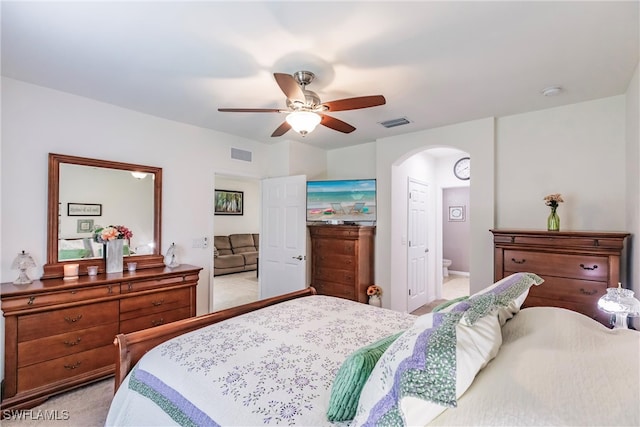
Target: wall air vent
[[239, 154], [395, 122]]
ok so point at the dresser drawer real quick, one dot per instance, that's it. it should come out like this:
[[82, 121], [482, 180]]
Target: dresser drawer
[[335, 275], [156, 319], [579, 291], [335, 246], [335, 289], [65, 368], [40, 350], [341, 262], [40, 300], [33, 326], [141, 285], [586, 267], [153, 303]]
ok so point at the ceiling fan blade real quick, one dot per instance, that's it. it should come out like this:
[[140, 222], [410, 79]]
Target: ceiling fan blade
[[290, 87], [355, 103], [250, 110], [282, 129], [335, 124]]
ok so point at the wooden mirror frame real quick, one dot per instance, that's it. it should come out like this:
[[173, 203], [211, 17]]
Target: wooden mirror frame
[[55, 268]]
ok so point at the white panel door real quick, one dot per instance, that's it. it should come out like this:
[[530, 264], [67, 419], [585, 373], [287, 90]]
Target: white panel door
[[417, 245], [283, 238]]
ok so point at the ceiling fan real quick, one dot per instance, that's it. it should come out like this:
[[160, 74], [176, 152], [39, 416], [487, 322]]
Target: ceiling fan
[[305, 110]]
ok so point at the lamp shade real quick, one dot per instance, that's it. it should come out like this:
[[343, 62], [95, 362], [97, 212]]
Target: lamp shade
[[303, 122], [23, 262], [622, 303]]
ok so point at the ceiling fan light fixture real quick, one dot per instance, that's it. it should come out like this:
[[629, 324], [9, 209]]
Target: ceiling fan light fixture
[[303, 122]]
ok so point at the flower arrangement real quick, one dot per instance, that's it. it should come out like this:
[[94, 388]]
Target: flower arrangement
[[374, 290], [553, 200], [112, 232]]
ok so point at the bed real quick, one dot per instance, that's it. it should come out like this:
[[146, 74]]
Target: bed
[[306, 359]]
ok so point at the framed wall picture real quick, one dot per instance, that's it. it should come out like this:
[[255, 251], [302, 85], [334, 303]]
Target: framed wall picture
[[85, 226], [84, 209], [456, 213], [228, 202]]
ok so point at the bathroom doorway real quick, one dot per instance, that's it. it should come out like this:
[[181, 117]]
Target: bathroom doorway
[[456, 235]]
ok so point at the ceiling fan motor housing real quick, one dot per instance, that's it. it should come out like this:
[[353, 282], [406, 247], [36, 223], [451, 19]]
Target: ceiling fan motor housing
[[312, 101]]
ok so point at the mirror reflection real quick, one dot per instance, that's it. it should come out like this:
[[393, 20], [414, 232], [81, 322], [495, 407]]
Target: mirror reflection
[[85, 194], [91, 198]]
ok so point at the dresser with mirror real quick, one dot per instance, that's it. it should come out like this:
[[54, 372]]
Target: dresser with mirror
[[59, 333]]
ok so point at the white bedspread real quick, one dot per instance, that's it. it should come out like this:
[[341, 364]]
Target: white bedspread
[[272, 367], [555, 368], [276, 366]]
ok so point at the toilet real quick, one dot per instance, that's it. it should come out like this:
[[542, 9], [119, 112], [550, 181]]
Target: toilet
[[446, 263]]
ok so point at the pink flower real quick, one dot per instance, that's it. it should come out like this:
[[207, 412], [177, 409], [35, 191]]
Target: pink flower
[[112, 232]]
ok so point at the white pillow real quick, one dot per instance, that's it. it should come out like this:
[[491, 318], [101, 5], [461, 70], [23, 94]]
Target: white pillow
[[435, 361], [511, 291]]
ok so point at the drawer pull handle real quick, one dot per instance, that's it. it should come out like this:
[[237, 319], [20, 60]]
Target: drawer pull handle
[[130, 286], [31, 299], [157, 303], [157, 322], [522, 261], [110, 289], [73, 319], [584, 267], [73, 343], [583, 291], [74, 366]]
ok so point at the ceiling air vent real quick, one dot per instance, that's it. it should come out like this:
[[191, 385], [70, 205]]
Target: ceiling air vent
[[395, 122], [239, 154]]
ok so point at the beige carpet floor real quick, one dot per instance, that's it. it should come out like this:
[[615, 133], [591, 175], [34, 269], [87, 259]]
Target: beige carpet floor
[[88, 406], [84, 407], [235, 289]]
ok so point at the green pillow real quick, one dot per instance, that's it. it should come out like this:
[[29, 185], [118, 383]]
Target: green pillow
[[352, 376], [448, 303]]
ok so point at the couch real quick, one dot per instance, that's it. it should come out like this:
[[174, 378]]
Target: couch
[[235, 253]]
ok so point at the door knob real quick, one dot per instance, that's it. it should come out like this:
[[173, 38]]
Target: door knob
[[299, 257]]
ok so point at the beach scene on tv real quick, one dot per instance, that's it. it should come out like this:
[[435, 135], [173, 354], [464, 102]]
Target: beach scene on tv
[[343, 200]]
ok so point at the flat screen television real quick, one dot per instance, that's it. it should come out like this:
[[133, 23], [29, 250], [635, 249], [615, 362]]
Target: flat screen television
[[341, 201]]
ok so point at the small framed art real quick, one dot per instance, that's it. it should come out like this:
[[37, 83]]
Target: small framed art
[[456, 213], [84, 209], [228, 202], [85, 226]]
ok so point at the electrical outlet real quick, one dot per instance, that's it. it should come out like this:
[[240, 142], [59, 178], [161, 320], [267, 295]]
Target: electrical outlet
[[201, 242]]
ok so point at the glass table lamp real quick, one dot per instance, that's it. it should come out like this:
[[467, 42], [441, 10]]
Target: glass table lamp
[[23, 262], [621, 303]]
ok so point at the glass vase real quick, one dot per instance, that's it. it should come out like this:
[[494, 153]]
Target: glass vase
[[375, 300], [553, 221], [114, 252]]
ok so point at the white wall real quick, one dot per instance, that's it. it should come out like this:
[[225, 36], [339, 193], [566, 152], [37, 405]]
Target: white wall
[[577, 150], [357, 162], [37, 121], [632, 196], [475, 138]]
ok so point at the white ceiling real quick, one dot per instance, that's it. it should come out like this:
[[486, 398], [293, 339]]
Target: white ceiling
[[437, 63]]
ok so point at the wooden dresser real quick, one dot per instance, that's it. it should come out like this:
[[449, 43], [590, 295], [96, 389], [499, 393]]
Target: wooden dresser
[[59, 334], [577, 267], [342, 260]]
